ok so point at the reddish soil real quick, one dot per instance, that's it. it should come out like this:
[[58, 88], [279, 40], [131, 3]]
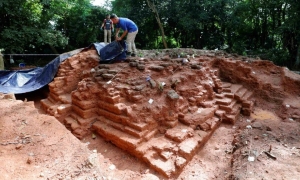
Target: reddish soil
[[216, 116]]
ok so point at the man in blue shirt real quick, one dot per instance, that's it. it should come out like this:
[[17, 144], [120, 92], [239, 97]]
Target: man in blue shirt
[[129, 28]]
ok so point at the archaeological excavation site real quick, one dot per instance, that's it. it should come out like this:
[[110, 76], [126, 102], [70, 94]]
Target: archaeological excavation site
[[168, 114]]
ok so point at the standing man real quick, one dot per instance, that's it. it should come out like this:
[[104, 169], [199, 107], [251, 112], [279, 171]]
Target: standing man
[[108, 28], [130, 29]]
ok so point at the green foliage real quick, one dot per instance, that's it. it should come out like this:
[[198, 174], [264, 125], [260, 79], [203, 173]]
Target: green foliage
[[270, 28]]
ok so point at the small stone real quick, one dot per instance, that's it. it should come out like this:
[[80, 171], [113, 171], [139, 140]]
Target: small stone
[[195, 66], [257, 125], [251, 158], [249, 127], [107, 76], [152, 83], [173, 95], [268, 128], [157, 68], [133, 64], [112, 167], [29, 160], [141, 67], [256, 138], [19, 146]]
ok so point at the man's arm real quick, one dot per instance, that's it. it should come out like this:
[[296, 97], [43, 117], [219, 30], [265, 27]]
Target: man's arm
[[123, 35], [117, 33]]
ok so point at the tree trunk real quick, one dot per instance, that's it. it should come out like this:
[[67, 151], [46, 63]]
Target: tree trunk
[[152, 7], [297, 63], [53, 49]]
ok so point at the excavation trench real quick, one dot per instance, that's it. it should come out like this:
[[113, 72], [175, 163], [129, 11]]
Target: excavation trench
[[175, 116]]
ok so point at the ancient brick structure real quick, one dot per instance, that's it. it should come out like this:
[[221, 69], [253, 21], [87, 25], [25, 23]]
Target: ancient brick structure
[[159, 110]]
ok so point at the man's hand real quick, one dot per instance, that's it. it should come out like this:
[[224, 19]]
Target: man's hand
[[118, 38]]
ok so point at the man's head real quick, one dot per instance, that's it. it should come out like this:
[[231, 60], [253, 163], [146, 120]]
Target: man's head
[[107, 16], [114, 18]]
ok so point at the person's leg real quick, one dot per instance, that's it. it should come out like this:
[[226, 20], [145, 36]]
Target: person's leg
[[109, 36], [105, 36], [130, 42]]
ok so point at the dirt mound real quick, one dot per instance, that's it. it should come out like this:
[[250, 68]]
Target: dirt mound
[[36, 146], [164, 106]]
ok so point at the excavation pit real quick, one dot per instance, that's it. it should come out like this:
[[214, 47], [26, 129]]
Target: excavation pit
[[162, 110]]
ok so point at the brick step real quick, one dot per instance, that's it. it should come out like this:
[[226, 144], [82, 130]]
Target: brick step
[[84, 113], [228, 108], [65, 98], [82, 121], [240, 93], [45, 104], [165, 167], [247, 96], [84, 104], [223, 101], [150, 134], [230, 118], [50, 98], [121, 139], [236, 109], [229, 95], [226, 90], [79, 133], [235, 88], [226, 85], [121, 119], [59, 78], [71, 123], [53, 97], [220, 113], [208, 103], [170, 123], [220, 96], [116, 108], [198, 117], [179, 133], [64, 109], [57, 91], [247, 104], [160, 152], [247, 108], [210, 124]]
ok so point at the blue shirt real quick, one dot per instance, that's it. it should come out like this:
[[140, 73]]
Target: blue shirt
[[127, 25]]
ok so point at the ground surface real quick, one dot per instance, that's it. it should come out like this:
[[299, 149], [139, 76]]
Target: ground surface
[[264, 145]]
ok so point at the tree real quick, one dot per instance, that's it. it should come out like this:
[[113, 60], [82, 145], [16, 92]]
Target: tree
[[22, 29], [153, 8]]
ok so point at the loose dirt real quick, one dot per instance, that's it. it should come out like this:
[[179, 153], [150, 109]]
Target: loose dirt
[[218, 116]]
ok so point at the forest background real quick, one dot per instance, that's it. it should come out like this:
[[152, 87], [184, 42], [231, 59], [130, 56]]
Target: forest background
[[268, 29]]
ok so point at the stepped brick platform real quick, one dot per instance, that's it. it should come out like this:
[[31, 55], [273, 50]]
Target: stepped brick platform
[[161, 111]]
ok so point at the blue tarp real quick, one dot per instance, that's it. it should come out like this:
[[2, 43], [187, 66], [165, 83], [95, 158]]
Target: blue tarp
[[23, 81]]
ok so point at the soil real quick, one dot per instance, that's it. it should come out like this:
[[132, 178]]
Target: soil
[[248, 123]]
